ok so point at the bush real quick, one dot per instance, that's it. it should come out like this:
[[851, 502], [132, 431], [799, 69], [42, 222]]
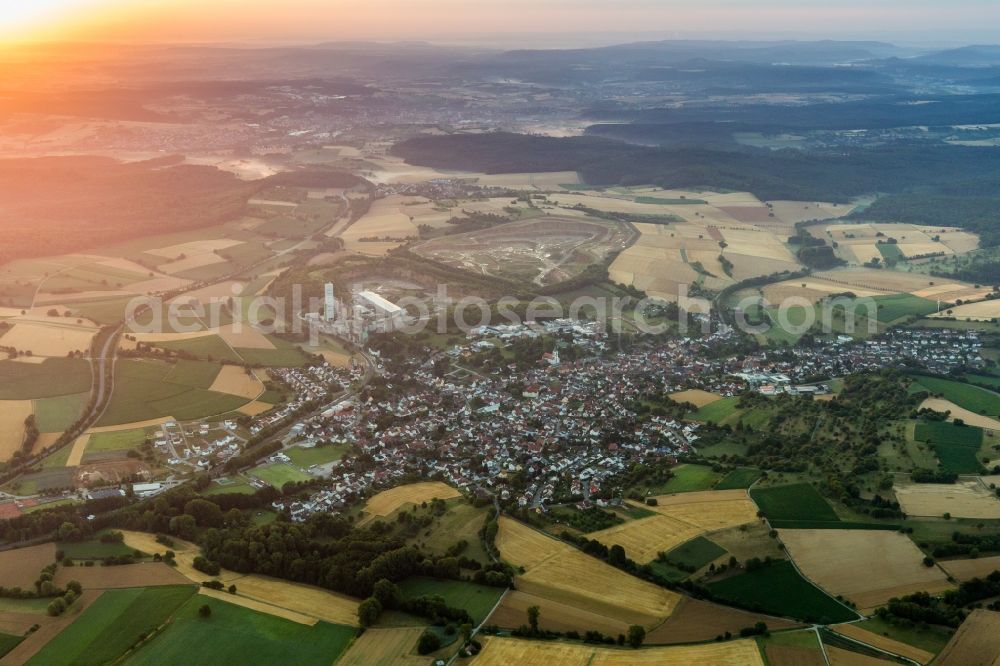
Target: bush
[[205, 611], [429, 642]]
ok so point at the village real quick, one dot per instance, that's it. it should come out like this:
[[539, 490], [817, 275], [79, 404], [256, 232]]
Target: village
[[561, 431]]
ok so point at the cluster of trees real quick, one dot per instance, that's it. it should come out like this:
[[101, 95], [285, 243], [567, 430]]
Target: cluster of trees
[[968, 545], [947, 609]]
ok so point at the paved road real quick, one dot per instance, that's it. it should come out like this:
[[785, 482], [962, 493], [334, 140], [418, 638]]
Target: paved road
[[108, 353]]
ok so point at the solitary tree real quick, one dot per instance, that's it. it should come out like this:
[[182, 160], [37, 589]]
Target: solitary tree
[[636, 635], [368, 611], [205, 610], [533, 612]]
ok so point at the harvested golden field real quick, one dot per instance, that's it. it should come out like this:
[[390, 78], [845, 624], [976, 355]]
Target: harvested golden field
[[840, 657], [387, 501], [193, 248], [981, 311], [255, 408], [561, 573], [884, 643], [259, 606], [801, 211], [966, 569], [976, 643], [868, 567], [384, 647], [235, 380], [970, 417], [643, 539], [895, 282], [305, 600], [695, 620], [708, 509], [190, 263], [135, 425], [554, 616], [964, 499], [55, 337], [388, 219], [12, 416], [144, 574], [244, 336], [696, 397], [526, 547], [505, 651], [79, 448], [20, 567]]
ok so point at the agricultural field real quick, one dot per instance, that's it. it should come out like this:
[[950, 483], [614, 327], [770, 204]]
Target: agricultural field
[[679, 518], [53, 377], [964, 499], [478, 600], [49, 337], [13, 414], [237, 634], [388, 501], [867, 567], [859, 243], [696, 620], [689, 478], [381, 646], [145, 390], [144, 574], [553, 615], [20, 567], [966, 569], [979, 311], [976, 643], [778, 589], [742, 477], [719, 411], [785, 505], [956, 446], [499, 651], [542, 250], [696, 397], [969, 417], [696, 553], [112, 624], [55, 415], [973, 398], [277, 597], [864, 632], [556, 571]]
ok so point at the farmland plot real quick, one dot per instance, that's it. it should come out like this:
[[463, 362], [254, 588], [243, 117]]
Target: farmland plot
[[964, 499]]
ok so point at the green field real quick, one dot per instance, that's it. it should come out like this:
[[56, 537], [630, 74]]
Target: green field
[[799, 501], [93, 549], [53, 377], [718, 411], [317, 455], [696, 553], [58, 414], [742, 477], [930, 638], [279, 474], [113, 624], [778, 589], [891, 251], [119, 440], [233, 634], [285, 354], [897, 306], [8, 643], [199, 374], [955, 446], [967, 396], [478, 600], [209, 347], [146, 390], [24, 605], [689, 478]]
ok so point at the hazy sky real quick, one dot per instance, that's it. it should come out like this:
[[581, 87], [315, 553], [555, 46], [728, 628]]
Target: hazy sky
[[469, 20]]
